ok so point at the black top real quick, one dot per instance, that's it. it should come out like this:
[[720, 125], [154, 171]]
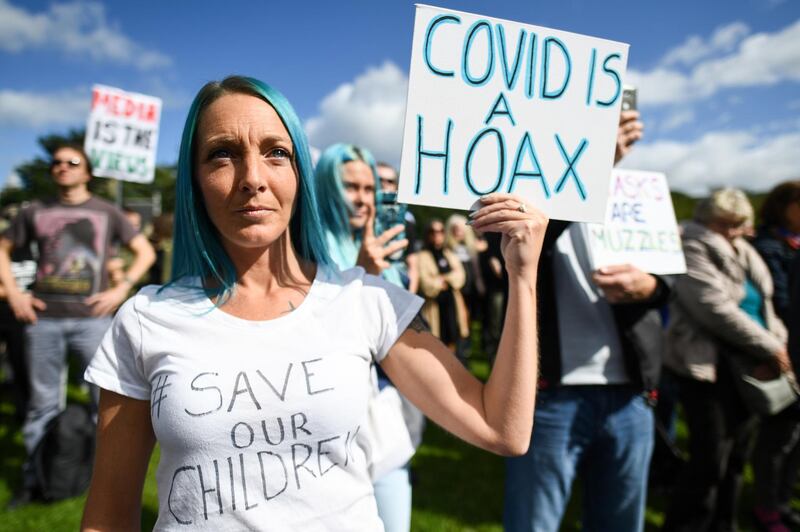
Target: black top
[[639, 325]]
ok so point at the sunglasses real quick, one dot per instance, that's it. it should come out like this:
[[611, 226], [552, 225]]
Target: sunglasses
[[73, 163]]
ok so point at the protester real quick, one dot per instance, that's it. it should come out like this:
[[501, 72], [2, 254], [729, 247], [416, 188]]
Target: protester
[[70, 305], [776, 457], [441, 278], [722, 309], [346, 177], [387, 176], [134, 217], [12, 331], [793, 321], [493, 305], [408, 269], [794, 312], [257, 353], [460, 239], [161, 240], [349, 211], [600, 359]]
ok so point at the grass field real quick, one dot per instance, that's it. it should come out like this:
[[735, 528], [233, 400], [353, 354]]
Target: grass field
[[457, 487]]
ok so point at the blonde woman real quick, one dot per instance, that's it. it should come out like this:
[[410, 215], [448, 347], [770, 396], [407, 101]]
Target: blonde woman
[[461, 240], [441, 278], [723, 308]]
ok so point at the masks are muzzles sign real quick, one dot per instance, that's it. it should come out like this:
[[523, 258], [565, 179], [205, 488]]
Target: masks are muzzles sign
[[640, 226], [499, 106]]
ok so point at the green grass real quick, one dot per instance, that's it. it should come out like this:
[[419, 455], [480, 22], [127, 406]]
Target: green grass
[[457, 487]]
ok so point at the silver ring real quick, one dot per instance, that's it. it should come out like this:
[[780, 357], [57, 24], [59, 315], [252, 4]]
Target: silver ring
[[522, 208]]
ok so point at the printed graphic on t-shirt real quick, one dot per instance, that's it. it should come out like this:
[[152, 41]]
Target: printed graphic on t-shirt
[[264, 433], [72, 253]]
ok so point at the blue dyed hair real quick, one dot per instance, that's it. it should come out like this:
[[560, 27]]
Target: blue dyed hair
[[197, 249], [335, 210]]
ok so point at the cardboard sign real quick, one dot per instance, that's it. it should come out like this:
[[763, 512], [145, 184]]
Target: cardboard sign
[[122, 134], [499, 106], [640, 226]]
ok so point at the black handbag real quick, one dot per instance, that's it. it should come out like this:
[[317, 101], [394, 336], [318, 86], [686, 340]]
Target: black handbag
[[763, 397]]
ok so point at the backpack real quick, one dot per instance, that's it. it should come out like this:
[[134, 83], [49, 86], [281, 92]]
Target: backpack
[[63, 460]]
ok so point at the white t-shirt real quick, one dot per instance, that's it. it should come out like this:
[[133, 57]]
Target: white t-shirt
[[257, 420]]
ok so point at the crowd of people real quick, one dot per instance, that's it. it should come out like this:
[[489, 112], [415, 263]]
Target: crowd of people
[[298, 326]]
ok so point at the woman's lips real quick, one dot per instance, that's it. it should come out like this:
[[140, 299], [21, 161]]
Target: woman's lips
[[254, 212]]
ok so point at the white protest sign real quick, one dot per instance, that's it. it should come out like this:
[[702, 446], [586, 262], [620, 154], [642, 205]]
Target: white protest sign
[[122, 134], [501, 106], [640, 227]]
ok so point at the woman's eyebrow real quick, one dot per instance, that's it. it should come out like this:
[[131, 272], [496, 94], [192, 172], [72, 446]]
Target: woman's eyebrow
[[218, 139]]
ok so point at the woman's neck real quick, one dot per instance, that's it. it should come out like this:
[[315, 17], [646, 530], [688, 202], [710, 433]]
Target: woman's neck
[[271, 269], [270, 283]]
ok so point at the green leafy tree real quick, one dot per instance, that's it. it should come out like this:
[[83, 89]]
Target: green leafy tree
[[35, 174], [37, 182]]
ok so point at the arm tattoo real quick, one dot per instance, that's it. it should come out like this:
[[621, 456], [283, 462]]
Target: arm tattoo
[[419, 324]]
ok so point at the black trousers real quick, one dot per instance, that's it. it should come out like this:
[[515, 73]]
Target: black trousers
[[776, 459], [720, 431], [12, 333]]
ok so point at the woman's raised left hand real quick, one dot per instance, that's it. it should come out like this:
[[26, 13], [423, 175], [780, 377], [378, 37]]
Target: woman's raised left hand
[[522, 226]]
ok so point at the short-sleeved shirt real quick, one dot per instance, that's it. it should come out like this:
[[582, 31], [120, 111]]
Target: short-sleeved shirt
[[257, 420], [73, 243]]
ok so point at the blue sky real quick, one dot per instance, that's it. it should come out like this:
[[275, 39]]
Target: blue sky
[[718, 80]]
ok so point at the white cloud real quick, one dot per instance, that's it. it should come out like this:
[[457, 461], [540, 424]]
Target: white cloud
[[695, 48], [369, 111], [13, 180], [680, 118], [734, 158], [760, 59], [781, 125], [660, 86], [30, 109], [79, 28]]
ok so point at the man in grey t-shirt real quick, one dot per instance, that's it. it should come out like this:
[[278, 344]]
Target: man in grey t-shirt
[[70, 304]]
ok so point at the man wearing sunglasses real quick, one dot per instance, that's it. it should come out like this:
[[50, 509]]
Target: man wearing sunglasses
[[71, 304]]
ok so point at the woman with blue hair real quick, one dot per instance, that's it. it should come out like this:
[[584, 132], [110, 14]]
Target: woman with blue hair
[[251, 366], [347, 178]]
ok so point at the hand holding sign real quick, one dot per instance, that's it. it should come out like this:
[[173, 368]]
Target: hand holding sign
[[500, 107], [374, 249], [640, 227], [630, 131], [624, 283], [522, 226]]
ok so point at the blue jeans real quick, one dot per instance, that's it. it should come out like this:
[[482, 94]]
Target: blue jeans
[[605, 433], [393, 495], [48, 341]]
